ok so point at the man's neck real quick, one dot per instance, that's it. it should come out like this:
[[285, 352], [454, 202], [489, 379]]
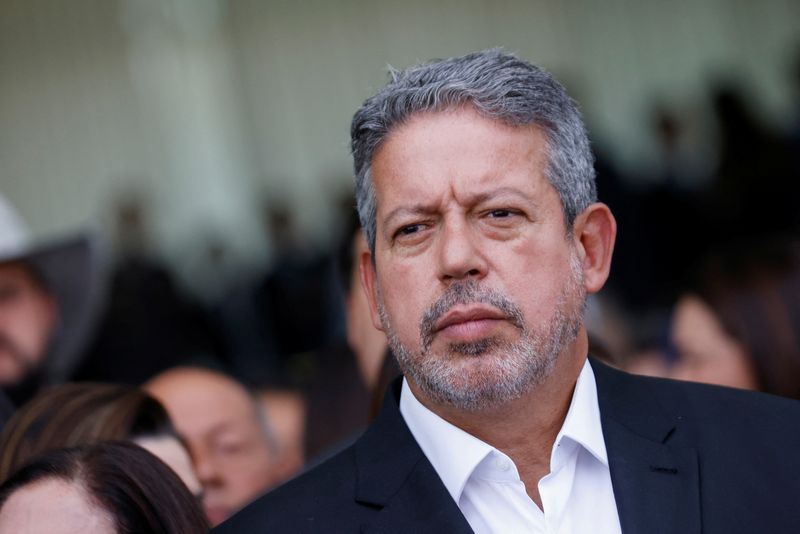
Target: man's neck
[[524, 428]]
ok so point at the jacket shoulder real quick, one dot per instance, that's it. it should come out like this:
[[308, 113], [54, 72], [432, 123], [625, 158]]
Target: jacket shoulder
[[705, 401], [701, 412]]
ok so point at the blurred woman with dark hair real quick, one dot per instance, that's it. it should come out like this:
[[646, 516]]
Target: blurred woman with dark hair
[[84, 413], [740, 324], [105, 488]]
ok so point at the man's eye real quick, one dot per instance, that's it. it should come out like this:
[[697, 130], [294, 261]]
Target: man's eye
[[500, 214], [230, 447], [410, 229]]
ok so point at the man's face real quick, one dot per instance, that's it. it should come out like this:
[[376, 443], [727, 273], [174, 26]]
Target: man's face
[[477, 284], [228, 445], [27, 318]]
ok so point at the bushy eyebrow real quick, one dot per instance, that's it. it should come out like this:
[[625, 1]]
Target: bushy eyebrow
[[500, 193], [408, 211], [471, 200]]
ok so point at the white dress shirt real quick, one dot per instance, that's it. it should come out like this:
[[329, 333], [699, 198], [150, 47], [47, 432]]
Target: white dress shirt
[[576, 495]]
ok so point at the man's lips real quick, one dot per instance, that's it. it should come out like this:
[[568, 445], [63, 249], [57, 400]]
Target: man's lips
[[469, 323], [460, 316]]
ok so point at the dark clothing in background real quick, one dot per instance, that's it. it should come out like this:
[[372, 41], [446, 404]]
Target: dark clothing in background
[[6, 410], [296, 303], [684, 458], [147, 327], [26, 389], [340, 405], [272, 325], [338, 401]]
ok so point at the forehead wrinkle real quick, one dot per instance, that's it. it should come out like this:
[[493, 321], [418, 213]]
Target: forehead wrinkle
[[498, 193], [502, 161]]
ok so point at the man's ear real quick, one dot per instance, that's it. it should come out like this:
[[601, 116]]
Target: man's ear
[[595, 231], [369, 283]]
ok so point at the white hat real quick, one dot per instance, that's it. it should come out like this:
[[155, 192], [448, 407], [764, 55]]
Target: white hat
[[71, 269]]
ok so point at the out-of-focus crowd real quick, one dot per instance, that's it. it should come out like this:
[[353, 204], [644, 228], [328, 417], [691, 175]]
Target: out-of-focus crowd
[[100, 379], [127, 402]]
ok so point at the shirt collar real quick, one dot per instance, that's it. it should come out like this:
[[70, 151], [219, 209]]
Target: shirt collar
[[455, 454], [582, 423]]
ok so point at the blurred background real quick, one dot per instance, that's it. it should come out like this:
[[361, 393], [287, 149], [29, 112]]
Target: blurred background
[[207, 142], [206, 110]]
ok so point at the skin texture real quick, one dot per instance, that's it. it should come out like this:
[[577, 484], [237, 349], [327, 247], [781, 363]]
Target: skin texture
[[28, 315], [54, 506], [707, 352], [463, 201], [218, 419]]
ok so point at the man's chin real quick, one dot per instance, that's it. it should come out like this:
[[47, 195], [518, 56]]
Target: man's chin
[[473, 391], [216, 514], [478, 347], [483, 378], [449, 349]]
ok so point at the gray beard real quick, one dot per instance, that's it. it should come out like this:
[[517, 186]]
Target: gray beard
[[491, 371]]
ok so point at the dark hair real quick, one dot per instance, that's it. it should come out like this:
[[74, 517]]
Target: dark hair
[[76, 414], [140, 492], [754, 290]]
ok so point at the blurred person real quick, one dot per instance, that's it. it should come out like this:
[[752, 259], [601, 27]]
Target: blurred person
[[75, 414], [645, 275], [475, 188], [103, 488], [755, 188], [273, 321], [236, 453], [369, 344], [296, 298], [148, 323], [340, 394], [740, 324], [48, 296], [283, 410]]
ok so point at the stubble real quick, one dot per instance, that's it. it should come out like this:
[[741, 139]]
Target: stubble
[[494, 370]]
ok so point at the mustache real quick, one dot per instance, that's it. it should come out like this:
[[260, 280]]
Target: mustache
[[461, 293]]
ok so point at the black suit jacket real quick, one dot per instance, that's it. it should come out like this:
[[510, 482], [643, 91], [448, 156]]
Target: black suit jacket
[[684, 458]]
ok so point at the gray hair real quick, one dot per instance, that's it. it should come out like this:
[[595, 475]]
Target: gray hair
[[499, 86]]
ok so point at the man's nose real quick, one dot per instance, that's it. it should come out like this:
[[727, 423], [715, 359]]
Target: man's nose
[[206, 470], [460, 253]]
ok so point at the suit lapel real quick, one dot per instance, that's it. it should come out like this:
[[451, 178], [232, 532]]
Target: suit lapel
[[422, 505], [656, 486], [395, 477]]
